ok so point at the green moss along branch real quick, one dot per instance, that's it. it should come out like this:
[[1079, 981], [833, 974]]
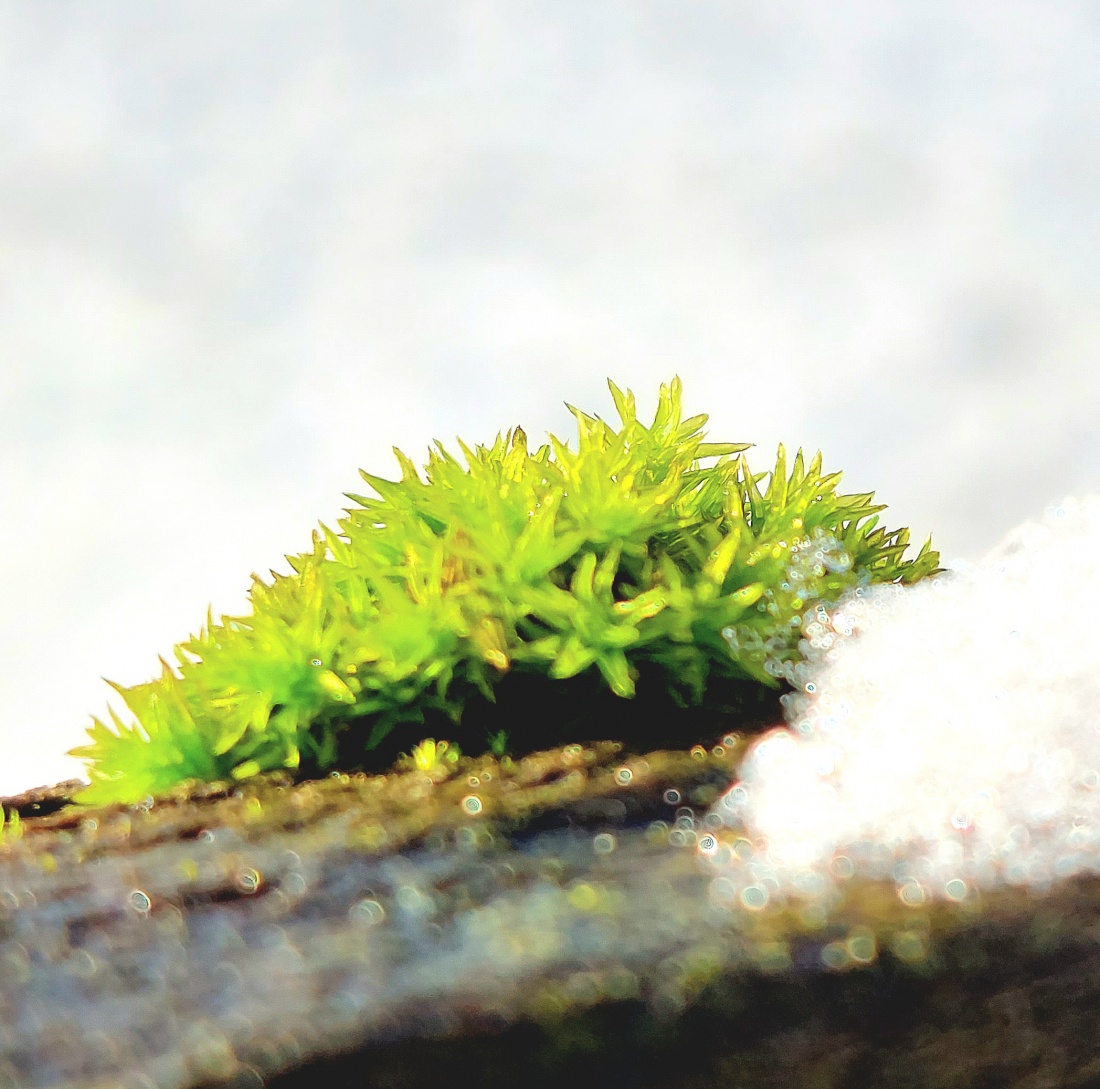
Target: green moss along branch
[[642, 551]]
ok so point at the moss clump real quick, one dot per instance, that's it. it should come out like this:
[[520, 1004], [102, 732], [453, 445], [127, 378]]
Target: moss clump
[[578, 573]]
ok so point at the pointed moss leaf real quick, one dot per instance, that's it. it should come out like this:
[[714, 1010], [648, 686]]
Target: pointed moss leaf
[[595, 557]]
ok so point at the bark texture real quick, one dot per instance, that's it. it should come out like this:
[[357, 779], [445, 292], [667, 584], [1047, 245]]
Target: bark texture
[[531, 922]]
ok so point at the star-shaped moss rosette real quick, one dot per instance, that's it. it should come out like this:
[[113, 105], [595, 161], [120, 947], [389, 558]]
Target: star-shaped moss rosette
[[625, 557]]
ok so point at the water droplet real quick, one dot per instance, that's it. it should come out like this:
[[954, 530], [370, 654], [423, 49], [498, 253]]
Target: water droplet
[[140, 902], [835, 955], [909, 946], [842, 866], [861, 947], [367, 911], [472, 804]]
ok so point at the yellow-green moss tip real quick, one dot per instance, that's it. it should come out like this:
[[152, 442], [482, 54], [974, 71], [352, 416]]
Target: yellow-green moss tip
[[642, 547]]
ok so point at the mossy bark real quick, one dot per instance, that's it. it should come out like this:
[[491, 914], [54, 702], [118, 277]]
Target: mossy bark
[[534, 922]]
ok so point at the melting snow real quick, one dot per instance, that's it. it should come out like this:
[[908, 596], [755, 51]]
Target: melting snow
[[948, 733]]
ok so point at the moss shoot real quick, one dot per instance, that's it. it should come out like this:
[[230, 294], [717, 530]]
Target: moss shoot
[[641, 586]]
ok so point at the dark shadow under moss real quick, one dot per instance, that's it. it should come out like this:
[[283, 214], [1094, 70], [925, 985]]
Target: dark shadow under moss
[[538, 714]]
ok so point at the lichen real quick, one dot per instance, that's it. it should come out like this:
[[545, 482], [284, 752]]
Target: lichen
[[644, 552]]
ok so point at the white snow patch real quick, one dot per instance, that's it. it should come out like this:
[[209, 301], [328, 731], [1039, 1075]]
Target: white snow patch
[[946, 733]]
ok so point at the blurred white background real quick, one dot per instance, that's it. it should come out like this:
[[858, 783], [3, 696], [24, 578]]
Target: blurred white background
[[245, 248]]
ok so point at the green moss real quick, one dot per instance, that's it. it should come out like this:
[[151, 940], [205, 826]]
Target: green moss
[[643, 557]]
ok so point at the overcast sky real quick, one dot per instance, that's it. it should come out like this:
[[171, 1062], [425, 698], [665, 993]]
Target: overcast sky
[[246, 248]]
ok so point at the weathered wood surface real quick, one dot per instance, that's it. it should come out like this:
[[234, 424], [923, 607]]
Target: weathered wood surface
[[525, 924]]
